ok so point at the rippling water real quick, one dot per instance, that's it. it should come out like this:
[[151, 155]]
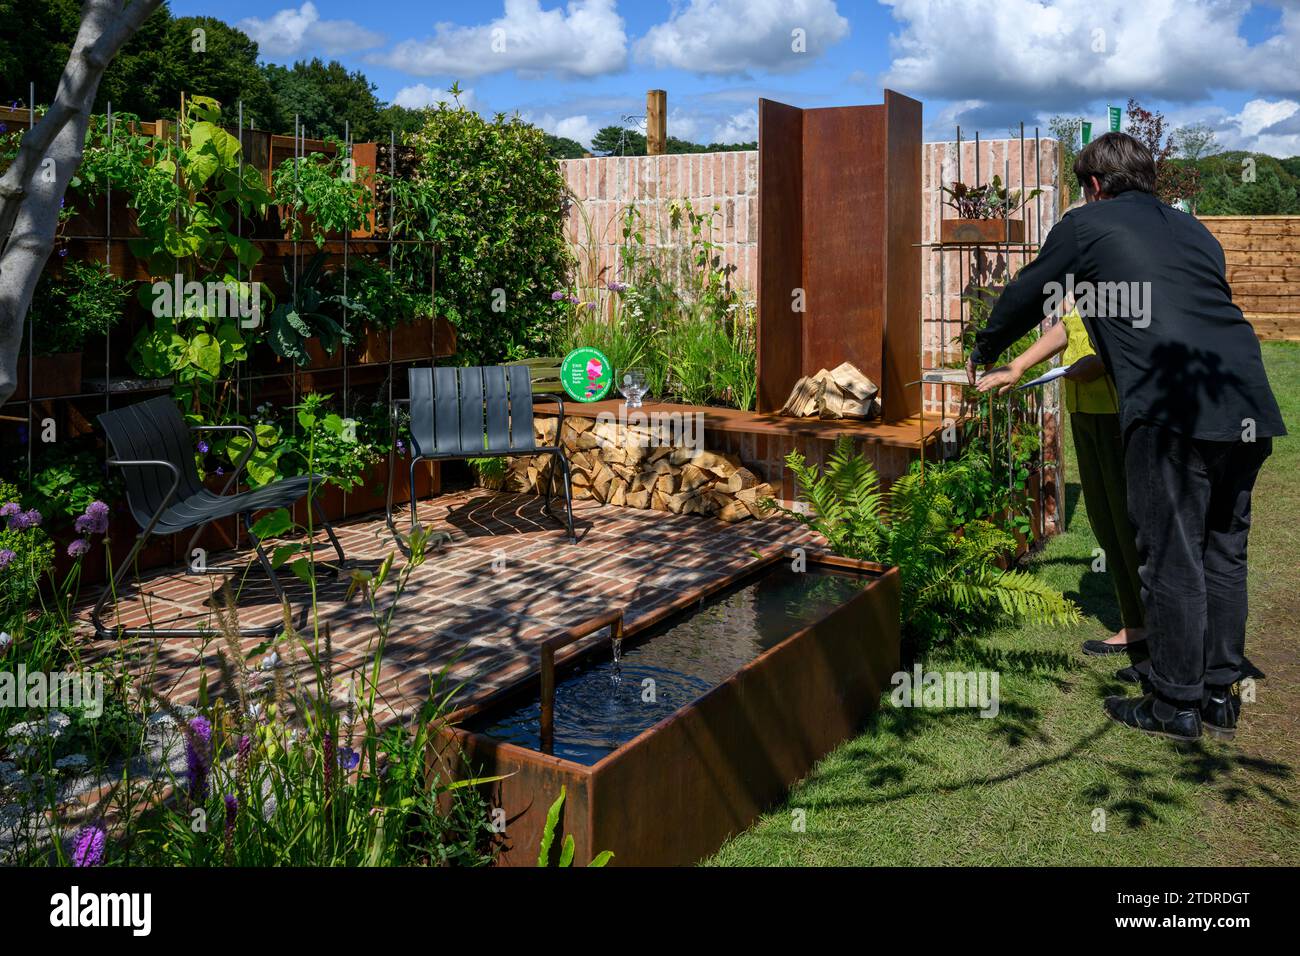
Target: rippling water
[[601, 705]]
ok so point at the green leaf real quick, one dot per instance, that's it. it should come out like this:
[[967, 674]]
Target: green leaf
[[272, 524], [566, 851], [548, 832], [302, 568], [205, 353], [602, 858]]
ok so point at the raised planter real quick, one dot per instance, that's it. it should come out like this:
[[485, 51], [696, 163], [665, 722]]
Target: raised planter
[[53, 375], [981, 231], [411, 341], [673, 793]]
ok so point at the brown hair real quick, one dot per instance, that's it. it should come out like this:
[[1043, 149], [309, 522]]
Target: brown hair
[[1119, 162]]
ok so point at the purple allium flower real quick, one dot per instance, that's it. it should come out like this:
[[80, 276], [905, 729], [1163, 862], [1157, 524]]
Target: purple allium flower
[[557, 296], [348, 758], [574, 300], [203, 448], [6, 555], [89, 847], [24, 520], [95, 519], [616, 286], [78, 548], [10, 509], [198, 756]]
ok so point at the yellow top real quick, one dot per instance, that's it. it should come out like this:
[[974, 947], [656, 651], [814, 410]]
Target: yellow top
[[1097, 397]]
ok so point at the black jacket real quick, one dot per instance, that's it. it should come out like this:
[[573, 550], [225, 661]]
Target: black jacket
[[1161, 317]]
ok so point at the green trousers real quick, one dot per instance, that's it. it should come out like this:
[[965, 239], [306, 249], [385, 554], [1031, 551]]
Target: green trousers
[[1099, 451]]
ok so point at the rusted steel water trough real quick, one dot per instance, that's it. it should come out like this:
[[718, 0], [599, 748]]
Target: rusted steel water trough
[[674, 793]]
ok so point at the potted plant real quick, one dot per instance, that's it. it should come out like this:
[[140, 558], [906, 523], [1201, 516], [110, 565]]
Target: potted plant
[[321, 196], [984, 214], [86, 300]]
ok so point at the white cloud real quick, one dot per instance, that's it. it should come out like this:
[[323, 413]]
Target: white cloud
[[580, 128], [586, 38], [290, 33], [1061, 53], [1263, 126], [735, 36], [419, 96], [740, 128]]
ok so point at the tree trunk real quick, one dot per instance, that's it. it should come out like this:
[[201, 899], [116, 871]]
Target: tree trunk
[[32, 188]]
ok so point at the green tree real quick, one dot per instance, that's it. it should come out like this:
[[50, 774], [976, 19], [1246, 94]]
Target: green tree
[[1066, 130], [618, 141], [1238, 183], [327, 99], [561, 147], [495, 205]]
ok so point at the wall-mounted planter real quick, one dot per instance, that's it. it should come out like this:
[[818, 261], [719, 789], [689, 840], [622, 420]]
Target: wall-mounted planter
[[981, 231], [674, 792], [53, 375]]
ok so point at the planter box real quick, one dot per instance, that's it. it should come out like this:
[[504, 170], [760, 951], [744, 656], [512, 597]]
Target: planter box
[[53, 375], [411, 341], [981, 231], [675, 792]]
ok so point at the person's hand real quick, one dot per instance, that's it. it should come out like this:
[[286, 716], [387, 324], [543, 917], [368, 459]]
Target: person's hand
[[970, 370], [1087, 369], [1003, 378]]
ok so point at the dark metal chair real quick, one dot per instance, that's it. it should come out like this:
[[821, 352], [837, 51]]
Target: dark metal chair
[[154, 447], [477, 412]]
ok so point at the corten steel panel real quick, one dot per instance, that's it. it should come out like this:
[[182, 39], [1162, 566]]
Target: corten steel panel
[[844, 195], [780, 250], [674, 793], [902, 342], [857, 186]]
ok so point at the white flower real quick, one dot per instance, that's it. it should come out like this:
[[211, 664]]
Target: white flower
[[270, 661], [5, 641]]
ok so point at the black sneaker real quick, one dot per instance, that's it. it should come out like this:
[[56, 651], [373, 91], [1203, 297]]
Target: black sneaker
[[1220, 711], [1140, 713], [1101, 648]]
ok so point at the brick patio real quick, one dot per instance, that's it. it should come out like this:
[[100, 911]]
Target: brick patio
[[507, 580]]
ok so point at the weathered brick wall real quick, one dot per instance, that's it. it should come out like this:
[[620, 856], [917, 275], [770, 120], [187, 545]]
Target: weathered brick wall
[[606, 185]]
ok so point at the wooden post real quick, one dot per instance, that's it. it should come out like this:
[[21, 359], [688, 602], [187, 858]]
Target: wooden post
[[656, 122]]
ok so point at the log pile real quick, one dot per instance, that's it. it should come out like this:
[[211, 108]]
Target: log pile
[[622, 465], [842, 392]]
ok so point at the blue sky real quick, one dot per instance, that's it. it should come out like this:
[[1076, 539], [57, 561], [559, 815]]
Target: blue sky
[[575, 66]]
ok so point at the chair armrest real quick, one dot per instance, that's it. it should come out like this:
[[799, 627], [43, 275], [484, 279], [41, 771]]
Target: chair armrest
[[243, 459], [559, 424], [171, 492]]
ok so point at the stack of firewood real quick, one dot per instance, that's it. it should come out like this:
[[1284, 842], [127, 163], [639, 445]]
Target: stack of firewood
[[842, 392], [623, 465]]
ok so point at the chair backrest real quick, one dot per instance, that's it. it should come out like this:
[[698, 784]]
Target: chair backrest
[[153, 430], [468, 412]]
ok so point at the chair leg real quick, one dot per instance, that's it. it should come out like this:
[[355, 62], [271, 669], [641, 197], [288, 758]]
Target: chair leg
[[329, 529], [111, 588], [568, 493], [264, 560]]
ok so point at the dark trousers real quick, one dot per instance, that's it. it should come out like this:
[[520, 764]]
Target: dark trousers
[[1189, 501], [1099, 455]]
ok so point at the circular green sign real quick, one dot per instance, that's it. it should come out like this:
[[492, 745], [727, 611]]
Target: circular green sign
[[586, 374]]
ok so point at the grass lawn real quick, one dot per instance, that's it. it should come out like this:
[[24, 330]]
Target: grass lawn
[[934, 787]]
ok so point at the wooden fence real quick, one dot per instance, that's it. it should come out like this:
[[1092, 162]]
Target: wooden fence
[[1263, 255]]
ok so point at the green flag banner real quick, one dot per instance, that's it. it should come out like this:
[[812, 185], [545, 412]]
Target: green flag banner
[[1087, 133], [1114, 118]]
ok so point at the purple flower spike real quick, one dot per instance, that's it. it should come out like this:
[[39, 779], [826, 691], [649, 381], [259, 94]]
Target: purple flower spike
[[198, 756], [89, 847]]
